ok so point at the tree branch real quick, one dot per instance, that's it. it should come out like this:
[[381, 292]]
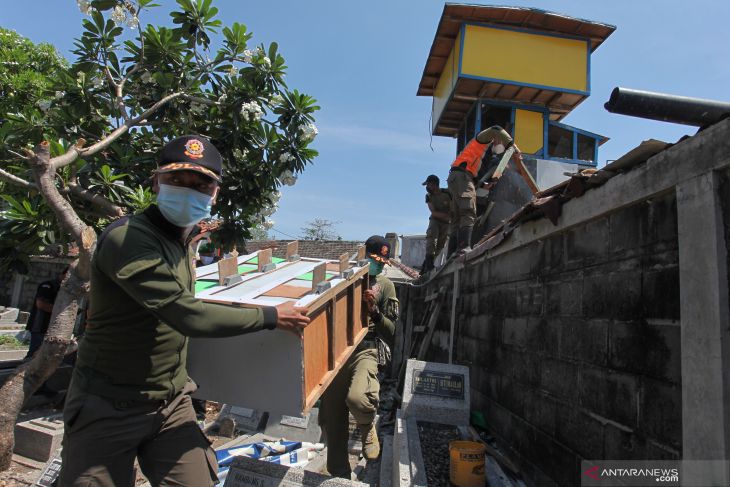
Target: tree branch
[[75, 152], [108, 208], [44, 175], [13, 179], [202, 101], [118, 95]]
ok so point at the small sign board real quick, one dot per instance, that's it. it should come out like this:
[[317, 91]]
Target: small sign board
[[50, 473], [295, 421], [264, 259], [442, 384], [242, 478], [242, 412], [344, 262], [319, 274], [436, 392], [292, 249], [227, 267]]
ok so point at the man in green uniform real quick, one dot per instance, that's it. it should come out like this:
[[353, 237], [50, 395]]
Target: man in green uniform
[[439, 203], [130, 392], [355, 389], [462, 176]]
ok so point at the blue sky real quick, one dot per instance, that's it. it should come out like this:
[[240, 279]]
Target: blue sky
[[363, 62]]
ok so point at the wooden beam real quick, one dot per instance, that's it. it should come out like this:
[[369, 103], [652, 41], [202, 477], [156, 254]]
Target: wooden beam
[[319, 274], [344, 262], [264, 259], [227, 267], [525, 173], [292, 248]]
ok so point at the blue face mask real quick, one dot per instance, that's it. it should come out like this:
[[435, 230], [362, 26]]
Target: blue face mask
[[375, 267], [182, 206]]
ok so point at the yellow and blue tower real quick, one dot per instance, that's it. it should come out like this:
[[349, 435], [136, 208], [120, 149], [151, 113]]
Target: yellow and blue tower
[[522, 68]]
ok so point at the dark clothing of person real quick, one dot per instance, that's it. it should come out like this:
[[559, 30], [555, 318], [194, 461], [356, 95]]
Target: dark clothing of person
[[355, 389], [130, 392], [39, 320]]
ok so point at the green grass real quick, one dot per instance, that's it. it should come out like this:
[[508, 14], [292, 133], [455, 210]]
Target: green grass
[[9, 341]]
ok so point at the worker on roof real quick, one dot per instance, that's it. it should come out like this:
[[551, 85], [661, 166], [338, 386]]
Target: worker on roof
[[462, 175], [439, 203], [356, 389], [129, 396]]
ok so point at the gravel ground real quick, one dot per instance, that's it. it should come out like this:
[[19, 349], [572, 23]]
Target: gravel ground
[[435, 440]]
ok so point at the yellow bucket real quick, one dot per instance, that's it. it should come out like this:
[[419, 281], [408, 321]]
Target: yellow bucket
[[466, 468]]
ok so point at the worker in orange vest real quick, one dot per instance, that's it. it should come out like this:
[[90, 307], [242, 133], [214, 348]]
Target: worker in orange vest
[[462, 176]]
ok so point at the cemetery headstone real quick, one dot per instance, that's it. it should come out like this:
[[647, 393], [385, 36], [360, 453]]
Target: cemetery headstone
[[245, 419], [294, 428], [436, 392], [247, 472], [39, 438]]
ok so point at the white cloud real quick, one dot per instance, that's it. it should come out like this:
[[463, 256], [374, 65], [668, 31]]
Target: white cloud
[[383, 138]]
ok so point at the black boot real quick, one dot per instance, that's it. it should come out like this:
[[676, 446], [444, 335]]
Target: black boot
[[427, 264], [465, 239]]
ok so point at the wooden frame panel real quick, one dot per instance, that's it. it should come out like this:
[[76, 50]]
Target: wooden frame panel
[[316, 351], [337, 326]]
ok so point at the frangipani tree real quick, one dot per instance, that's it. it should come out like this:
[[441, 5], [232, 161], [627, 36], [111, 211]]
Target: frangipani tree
[[82, 155]]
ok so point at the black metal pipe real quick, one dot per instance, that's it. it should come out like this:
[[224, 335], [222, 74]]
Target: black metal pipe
[[666, 108]]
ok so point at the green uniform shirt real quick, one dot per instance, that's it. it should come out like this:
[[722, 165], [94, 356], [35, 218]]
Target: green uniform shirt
[[441, 201], [142, 308], [387, 302]]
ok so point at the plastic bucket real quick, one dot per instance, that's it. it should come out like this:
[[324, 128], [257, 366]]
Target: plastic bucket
[[466, 466]]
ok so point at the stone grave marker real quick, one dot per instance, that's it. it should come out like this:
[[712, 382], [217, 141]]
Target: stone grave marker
[[436, 392], [246, 419], [39, 438], [50, 473], [247, 472], [294, 428]]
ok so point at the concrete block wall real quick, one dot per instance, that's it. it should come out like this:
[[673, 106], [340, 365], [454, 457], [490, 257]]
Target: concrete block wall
[[41, 269], [573, 342]]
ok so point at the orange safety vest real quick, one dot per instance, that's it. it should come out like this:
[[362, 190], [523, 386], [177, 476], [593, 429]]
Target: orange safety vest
[[471, 155]]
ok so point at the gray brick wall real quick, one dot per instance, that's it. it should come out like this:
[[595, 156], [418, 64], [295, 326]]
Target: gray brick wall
[[573, 343], [41, 269], [320, 249]]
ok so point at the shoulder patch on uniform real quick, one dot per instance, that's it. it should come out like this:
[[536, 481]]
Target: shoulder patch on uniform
[[134, 267]]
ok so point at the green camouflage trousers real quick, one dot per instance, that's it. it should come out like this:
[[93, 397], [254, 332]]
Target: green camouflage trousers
[[354, 390]]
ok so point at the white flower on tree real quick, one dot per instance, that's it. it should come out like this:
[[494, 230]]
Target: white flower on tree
[[119, 15], [146, 77], [269, 210], [309, 132], [268, 224], [286, 157], [247, 56], [251, 111], [288, 178], [98, 83], [84, 6], [232, 71], [240, 154], [277, 100], [133, 22]]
